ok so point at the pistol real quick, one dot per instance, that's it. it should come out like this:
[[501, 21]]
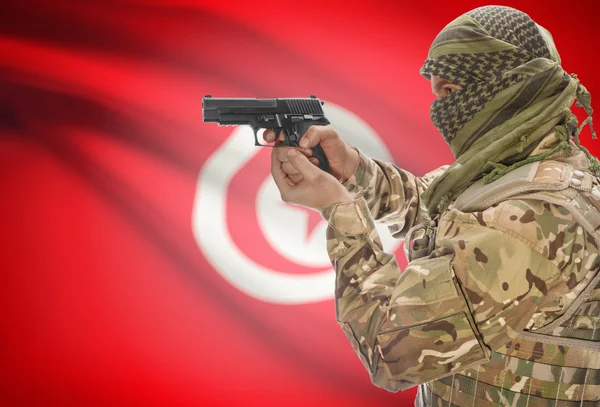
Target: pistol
[[292, 116]]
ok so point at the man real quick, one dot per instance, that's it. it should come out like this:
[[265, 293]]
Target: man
[[500, 301]]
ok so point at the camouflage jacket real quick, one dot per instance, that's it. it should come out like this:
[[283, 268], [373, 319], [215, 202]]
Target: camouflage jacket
[[458, 312]]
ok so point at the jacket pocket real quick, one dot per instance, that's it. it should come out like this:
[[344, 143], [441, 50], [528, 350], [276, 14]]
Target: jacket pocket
[[429, 332]]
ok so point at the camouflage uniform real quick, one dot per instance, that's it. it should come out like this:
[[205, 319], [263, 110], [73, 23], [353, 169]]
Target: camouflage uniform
[[452, 321]]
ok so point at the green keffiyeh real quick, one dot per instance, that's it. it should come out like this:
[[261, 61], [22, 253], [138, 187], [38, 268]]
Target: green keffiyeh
[[514, 92]]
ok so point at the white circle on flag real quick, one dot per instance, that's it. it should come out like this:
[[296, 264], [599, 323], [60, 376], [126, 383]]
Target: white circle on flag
[[285, 227]]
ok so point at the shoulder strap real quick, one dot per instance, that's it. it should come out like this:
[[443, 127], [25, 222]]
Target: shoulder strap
[[552, 181], [536, 176]]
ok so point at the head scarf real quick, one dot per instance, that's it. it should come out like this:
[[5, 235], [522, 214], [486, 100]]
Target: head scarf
[[514, 92]]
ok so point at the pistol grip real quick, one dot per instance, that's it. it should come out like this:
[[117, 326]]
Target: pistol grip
[[295, 134], [319, 154]]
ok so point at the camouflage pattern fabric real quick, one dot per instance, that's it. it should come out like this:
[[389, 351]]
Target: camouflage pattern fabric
[[396, 203], [514, 91], [451, 321]]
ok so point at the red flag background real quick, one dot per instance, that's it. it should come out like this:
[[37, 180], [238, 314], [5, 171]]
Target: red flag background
[[146, 258]]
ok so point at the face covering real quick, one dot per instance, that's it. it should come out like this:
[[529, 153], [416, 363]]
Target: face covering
[[514, 92]]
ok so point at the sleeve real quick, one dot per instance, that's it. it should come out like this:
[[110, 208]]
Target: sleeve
[[445, 312], [392, 194]]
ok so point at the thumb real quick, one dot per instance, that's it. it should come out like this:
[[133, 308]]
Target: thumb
[[311, 138], [302, 164]]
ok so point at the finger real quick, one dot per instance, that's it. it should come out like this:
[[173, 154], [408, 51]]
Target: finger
[[282, 152], [314, 161], [269, 135], [302, 165], [290, 182], [296, 178], [306, 151], [288, 168], [278, 175], [313, 136]]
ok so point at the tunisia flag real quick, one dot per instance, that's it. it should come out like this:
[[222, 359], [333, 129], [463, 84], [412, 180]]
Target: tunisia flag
[[146, 256]]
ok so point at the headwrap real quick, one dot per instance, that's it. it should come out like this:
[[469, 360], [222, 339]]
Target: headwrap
[[514, 92]]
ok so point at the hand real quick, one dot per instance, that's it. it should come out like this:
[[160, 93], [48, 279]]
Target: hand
[[343, 160], [316, 190], [281, 153]]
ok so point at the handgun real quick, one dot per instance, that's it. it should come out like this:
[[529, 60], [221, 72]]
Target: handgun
[[292, 116]]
